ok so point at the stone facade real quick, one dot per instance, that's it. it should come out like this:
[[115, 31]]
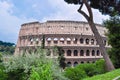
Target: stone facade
[[76, 38]]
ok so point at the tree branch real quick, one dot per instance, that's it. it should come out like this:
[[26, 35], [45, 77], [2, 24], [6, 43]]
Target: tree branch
[[89, 9], [82, 12]]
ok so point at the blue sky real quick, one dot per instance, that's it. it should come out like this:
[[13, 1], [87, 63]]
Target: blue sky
[[13, 13]]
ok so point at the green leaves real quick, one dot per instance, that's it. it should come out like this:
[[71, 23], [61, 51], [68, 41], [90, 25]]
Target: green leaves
[[113, 26], [85, 70], [110, 7]]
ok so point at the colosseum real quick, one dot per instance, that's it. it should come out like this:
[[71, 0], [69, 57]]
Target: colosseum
[[76, 39]]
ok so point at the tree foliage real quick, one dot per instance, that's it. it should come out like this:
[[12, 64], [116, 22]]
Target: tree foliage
[[113, 26], [85, 70], [111, 7], [6, 47], [6, 43], [61, 59], [33, 66]]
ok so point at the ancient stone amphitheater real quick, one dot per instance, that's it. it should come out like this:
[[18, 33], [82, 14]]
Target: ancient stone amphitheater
[[76, 39]]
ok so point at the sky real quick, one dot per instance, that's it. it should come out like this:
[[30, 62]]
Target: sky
[[13, 13]]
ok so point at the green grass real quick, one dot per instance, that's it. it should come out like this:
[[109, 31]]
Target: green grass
[[107, 76]]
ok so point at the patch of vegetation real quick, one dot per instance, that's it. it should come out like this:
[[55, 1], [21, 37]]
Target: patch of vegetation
[[32, 66], [7, 47], [85, 70], [113, 26], [107, 76]]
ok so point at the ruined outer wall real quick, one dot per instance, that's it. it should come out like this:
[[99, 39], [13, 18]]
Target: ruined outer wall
[[66, 34]]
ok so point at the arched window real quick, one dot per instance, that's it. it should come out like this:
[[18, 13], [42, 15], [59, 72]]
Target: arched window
[[93, 53], [75, 53], [81, 41], [48, 40], [81, 52], [87, 53], [55, 40], [104, 42], [75, 64], [87, 41], [68, 52], [62, 40], [68, 41], [82, 62], [31, 41], [37, 42], [75, 40], [92, 41], [69, 64], [98, 53]]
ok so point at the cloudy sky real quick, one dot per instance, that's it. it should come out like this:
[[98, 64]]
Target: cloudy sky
[[13, 13]]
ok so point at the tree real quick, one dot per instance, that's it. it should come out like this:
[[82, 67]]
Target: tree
[[61, 58], [110, 7], [113, 26]]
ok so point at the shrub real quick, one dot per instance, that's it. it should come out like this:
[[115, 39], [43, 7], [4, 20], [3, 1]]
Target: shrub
[[3, 75], [85, 70], [100, 66], [34, 66], [75, 73], [88, 68], [42, 72]]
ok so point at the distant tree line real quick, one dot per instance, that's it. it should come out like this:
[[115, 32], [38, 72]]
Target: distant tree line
[[6, 43], [7, 47]]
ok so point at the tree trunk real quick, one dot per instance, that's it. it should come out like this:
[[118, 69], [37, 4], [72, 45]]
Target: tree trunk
[[97, 36], [103, 51]]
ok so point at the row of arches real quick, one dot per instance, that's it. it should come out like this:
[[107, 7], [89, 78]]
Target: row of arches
[[76, 53], [83, 53], [62, 40], [70, 64], [75, 40]]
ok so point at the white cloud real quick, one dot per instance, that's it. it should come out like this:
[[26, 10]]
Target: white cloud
[[69, 12], [10, 24]]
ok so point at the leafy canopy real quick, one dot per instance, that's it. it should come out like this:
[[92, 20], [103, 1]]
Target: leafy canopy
[[110, 7]]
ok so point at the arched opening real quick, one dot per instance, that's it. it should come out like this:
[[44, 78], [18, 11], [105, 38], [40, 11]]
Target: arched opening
[[92, 41], [81, 52], [69, 64], [82, 62], [75, 53], [87, 41], [62, 40], [93, 53], [75, 64], [98, 53], [81, 41], [31, 41], [87, 53], [105, 42], [49, 40], [75, 40], [68, 41], [68, 52], [55, 40]]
